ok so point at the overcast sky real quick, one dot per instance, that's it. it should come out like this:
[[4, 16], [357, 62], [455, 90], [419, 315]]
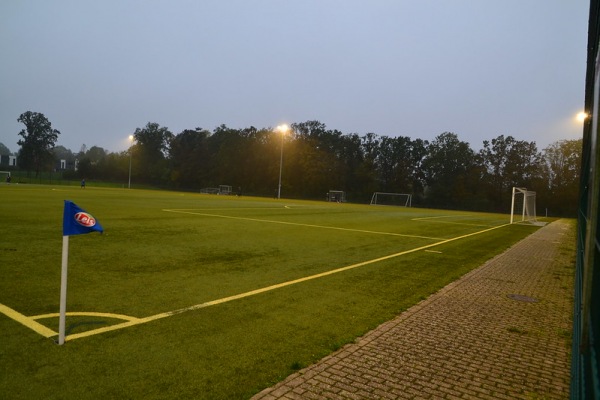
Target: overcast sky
[[100, 69]]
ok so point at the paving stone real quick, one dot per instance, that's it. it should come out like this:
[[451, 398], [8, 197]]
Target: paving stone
[[470, 340]]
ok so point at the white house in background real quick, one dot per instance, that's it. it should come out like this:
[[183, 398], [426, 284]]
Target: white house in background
[[63, 165], [8, 161]]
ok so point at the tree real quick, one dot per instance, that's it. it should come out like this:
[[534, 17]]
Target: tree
[[96, 154], [189, 158], [315, 160], [150, 151], [92, 163], [494, 158], [366, 172], [508, 162], [261, 149], [38, 139], [352, 157], [310, 170], [448, 169], [524, 165], [562, 161], [418, 154], [399, 165], [4, 151], [62, 153]]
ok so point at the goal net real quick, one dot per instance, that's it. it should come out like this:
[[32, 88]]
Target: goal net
[[522, 207], [391, 199], [337, 196]]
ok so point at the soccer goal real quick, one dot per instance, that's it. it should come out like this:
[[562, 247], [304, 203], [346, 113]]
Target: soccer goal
[[391, 199], [225, 189], [337, 196], [5, 178], [522, 207]]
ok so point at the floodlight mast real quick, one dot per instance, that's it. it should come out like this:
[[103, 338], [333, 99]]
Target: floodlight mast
[[130, 143], [283, 129]]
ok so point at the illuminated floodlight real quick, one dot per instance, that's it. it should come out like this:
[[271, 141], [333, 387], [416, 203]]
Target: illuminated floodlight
[[283, 128]]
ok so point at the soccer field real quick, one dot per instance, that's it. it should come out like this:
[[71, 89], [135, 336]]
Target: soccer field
[[204, 296]]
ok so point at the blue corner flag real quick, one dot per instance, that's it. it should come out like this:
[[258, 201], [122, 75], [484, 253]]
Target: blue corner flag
[[77, 221]]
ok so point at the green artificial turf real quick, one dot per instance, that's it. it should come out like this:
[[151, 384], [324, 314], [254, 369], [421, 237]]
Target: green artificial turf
[[166, 251]]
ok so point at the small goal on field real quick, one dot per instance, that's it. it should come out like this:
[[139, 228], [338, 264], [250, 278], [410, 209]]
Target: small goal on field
[[522, 208], [5, 176], [222, 189], [225, 189], [336, 196], [391, 199]]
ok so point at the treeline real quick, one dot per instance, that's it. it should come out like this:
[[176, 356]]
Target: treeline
[[443, 173]]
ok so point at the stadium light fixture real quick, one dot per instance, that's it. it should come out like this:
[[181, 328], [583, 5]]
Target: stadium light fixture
[[130, 143], [283, 129]]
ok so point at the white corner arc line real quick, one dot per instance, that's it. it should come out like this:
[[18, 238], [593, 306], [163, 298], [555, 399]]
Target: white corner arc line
[[87, 314]]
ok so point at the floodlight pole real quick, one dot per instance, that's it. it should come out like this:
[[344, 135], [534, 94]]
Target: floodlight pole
[[130, 141], [280, 168], [129, 183], [283, 129]]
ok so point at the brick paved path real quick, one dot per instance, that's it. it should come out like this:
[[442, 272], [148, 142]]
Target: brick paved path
[[470, 340]]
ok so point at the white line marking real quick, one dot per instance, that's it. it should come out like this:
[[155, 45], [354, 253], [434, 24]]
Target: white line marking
[[234, 208], [441, 216], [298, 224], [131, 321], [87, 314], [429, 219], [267, 289], [28, 322]]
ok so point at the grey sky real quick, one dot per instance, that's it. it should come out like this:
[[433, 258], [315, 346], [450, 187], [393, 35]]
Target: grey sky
[[100, 69]]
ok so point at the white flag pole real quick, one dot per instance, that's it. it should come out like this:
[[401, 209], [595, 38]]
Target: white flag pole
[[63, 291]]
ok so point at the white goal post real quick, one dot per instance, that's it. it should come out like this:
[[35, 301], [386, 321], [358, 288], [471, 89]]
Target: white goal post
[[522, 208], [391, 199]]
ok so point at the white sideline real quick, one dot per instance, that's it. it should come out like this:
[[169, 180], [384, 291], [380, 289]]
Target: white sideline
[[46, 332]]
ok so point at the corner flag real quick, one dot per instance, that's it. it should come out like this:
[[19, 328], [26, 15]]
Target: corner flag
[[77, 221]]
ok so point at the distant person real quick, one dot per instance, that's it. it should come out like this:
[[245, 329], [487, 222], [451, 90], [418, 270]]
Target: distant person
[[8, 179], [83, 183]]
